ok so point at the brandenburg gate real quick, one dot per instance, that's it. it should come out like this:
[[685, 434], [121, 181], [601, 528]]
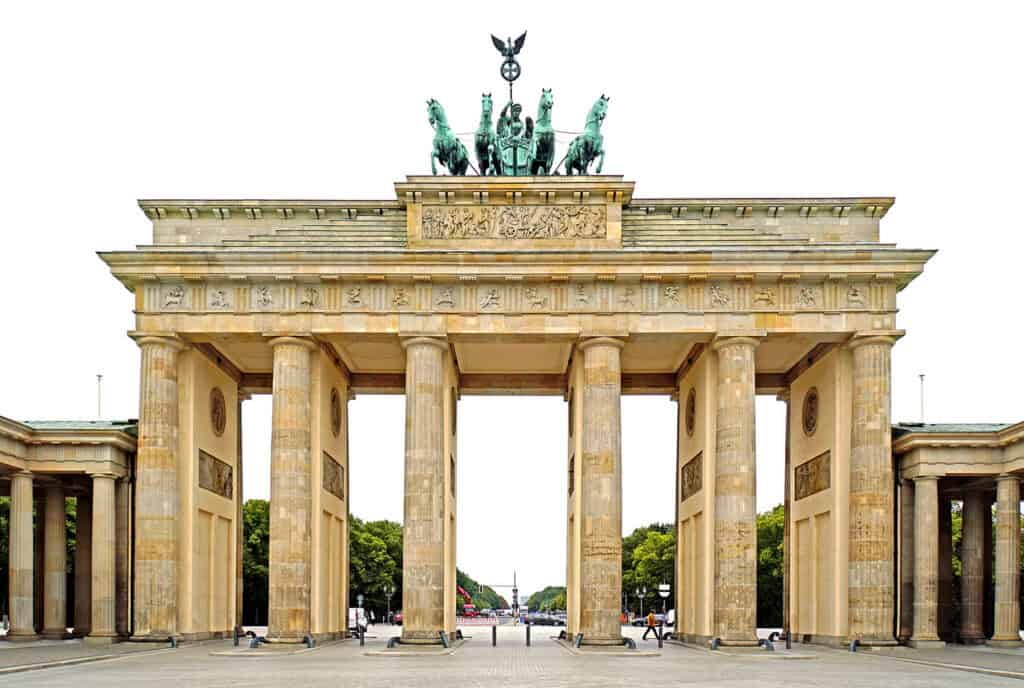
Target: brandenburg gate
[[556, 285]]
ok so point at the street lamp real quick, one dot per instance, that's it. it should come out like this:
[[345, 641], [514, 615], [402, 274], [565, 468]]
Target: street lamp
[[389, 590], [664, 590], [641, 593]]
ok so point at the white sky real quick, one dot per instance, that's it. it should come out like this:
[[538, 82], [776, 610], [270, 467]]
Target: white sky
[[105, 103]]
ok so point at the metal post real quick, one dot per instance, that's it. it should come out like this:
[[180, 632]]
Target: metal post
[[494, 636], [527, 633]]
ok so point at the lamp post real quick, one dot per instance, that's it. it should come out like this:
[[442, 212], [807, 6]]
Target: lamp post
[[641, 593], [389, 590]]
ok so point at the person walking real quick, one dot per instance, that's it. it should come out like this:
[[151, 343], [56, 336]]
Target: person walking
[[651, 626]]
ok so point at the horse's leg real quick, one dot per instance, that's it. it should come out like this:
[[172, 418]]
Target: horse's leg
[[600, 163], [433, 163]]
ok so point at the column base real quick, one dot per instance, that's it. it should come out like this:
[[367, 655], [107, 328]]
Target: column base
[[22, 636], [99, 640], [875, 642], [55, 634], [606, 641], [421, 638], [154, 637], [926, 644], [287, 639], [972, 639], [1005, 642]]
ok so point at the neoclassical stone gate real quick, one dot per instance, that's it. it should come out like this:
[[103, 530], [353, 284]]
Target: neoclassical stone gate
[[516, 285]]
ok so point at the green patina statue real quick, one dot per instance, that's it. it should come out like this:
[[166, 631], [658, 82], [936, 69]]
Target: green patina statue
[[542, 152], [590, 144], [486, 141], [448, 150], [514, 140]]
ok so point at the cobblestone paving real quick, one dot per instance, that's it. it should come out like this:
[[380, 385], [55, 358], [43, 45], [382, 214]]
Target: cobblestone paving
[[510, 664]]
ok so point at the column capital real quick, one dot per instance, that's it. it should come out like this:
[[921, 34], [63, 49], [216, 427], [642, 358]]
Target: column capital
[[168, 339], [748, 339], [883, 337], [103, 474], [585, 343], [785, 395], [293, 340], [425, 340], [1007, 476], [923, 478]]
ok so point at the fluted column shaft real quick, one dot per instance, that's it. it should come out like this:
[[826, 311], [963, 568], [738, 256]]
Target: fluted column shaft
[[871, 580], [21, 600], [55, 597], [926, 559], [83, 565], [972, 577], [945, 568], [601, 493], [123, 562], [735, 493], [104, 557], [423, 544], [156, 491], [1007, 606], [290, 491], [908, 514]]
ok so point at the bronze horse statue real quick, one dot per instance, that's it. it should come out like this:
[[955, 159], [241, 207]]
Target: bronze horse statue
[[589, 145], [542, 154], [448, 150], [486, 141]]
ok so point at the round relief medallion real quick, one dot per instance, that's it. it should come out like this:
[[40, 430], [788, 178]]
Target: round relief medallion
[[810, 414], [691, 411], [218, 411], [335, 412]]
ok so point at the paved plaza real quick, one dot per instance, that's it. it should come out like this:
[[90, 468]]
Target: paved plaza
[[511, 663]]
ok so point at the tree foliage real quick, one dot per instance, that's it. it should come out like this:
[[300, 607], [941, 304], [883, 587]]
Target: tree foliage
[[550, 598], [255, 561], [770, 567]]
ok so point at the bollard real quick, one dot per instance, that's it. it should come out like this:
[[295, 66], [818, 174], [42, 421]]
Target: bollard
[[789, 643], [578, 641], [527, 635], [234, 636], [444, 639], [494, 636], [661, 635], [362, 636]]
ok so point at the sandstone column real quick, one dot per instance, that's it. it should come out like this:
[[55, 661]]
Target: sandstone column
[[601, 493], [735, 493], [945, 568], [423, 545], [83, 565], [240, 520], [926, 562], [871, 584], [39, 564], [787, 512], [55, 618], [972, 578], [104, 558], [907, 558], [156, 491], [290, 491], [1007, 608], [21, 600], [122, 548]]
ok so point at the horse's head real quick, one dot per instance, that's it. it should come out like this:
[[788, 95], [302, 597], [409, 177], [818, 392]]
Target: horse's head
[[436, 112], [547, 100], [486, 105], [599, 110]]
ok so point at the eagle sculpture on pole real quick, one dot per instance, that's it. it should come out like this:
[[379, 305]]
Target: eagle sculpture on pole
[[510, 49]]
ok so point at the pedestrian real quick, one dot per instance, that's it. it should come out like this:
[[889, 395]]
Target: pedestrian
[[651, 626]]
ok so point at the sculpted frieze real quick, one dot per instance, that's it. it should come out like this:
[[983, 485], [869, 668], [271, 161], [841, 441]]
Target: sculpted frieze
[[510, 295], [515, 222]]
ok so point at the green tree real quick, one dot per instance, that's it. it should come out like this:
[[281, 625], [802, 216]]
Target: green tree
[[546, 599], [770, 567], [371, 567], [655, 565], [255, 561]]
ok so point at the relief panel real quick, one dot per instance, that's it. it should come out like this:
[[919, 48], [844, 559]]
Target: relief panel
[[814, 476], [515, 222], [215, 475]]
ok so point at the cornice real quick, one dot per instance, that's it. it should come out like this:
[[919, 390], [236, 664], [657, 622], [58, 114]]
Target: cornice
[[990, 440]]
